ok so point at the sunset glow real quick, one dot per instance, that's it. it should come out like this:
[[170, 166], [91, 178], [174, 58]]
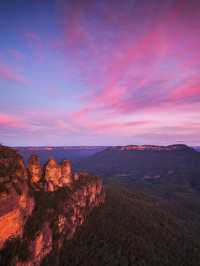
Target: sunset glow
[[99, 72]]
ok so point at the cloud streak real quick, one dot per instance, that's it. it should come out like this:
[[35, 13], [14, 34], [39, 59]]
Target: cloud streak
[[7, 73], [106, 69]]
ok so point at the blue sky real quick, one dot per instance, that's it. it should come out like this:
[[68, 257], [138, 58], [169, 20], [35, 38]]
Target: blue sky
[[99, 72]]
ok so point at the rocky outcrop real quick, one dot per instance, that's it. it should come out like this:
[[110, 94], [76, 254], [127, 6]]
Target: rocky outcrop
[[16, 204], [66, 173], [51, 176], [34, 170], [56, 176], [39, 247], [41, 206], [58, 214]]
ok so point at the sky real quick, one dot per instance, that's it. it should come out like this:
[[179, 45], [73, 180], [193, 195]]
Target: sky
[[99, 72]]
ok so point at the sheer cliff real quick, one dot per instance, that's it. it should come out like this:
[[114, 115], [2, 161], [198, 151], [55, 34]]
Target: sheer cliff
[[41, 206]]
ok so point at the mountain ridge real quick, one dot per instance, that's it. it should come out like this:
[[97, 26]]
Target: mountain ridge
[[41, 206], [173, 147]]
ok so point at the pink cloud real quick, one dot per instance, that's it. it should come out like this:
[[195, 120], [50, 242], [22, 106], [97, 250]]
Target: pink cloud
[[153, 48], [83, 123], [10, 121], [184, 93], [129, 68], [162, 44], [16, 54], [81, 113], [118, 126], [189, 89], [7, 73]]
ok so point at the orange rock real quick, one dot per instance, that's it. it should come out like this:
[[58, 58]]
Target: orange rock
[[26, 203], [66, 174], [20, 171], [52, 175], [58, 175], [34, 169], [11, 225], [16, 205], [76, 176], [61, 223], [42, 245]]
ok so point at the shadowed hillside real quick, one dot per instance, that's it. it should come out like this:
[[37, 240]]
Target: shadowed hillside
[[175, 163], [132, 228]]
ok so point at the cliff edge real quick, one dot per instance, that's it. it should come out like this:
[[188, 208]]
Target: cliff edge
[[41, 206]]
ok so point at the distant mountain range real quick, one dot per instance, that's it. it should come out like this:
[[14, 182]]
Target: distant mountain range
[[152, 209], [175, 147], [75, 153], [152, 205], [143, 162], [59, 153], [197, 148]]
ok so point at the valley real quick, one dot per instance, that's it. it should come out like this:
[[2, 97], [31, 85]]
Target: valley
[[151, 212]]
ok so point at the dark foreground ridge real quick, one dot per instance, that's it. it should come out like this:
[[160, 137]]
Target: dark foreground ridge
[[41, 206]]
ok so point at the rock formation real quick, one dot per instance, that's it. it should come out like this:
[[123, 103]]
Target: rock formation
[[66, 173], [52, 175], [16, 204], [34, 169], [56, 176], [40, 207]]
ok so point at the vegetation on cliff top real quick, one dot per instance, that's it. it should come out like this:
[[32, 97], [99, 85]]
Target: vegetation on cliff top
[[131, 228]]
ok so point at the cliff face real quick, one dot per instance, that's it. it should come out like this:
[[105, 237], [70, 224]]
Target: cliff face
[[41, 206], [170, 148], [15, 202], [34, 170]]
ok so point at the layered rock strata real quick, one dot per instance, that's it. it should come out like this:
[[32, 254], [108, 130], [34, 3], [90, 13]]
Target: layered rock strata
[[41, 206]]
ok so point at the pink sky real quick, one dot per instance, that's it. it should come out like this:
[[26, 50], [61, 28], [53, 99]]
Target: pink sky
[[100, 72]]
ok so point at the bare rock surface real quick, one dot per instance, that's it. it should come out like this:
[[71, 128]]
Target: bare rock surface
[[41, 206]]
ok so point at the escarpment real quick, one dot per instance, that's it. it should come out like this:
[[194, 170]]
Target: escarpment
[[41, 206], [34, 170], [16, 203]]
